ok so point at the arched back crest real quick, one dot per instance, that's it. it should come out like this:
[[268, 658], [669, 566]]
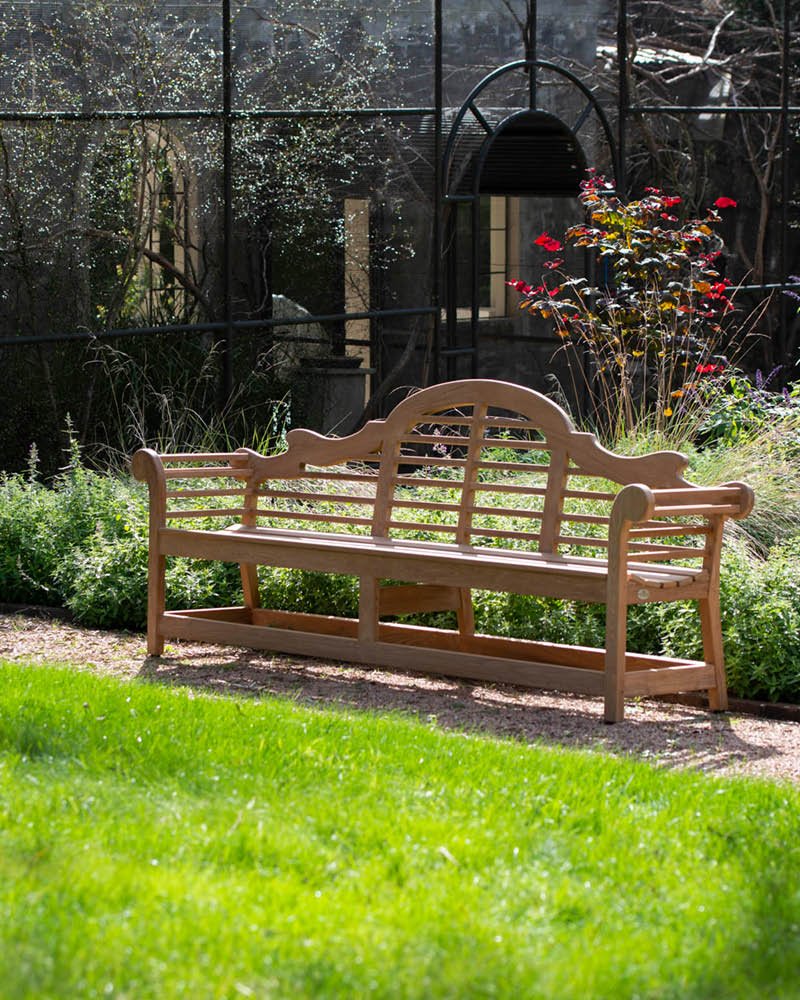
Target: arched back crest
[[379, 438], [549, 417]]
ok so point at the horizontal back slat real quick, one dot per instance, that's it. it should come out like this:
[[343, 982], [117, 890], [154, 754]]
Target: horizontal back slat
[[210, 512], [187, 457], [432, 461], [665, 555], [506, 512], [202, 494], [345, 476], [309, 515], [304, 496], [422, 526], [529, 468], [517, 536], [207, 472], [666, 531]]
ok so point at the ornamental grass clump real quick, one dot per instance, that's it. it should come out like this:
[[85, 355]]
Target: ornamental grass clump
[[658, 324]]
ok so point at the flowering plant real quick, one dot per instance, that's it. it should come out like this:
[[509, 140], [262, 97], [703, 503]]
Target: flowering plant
[[794, 291], [655, 322]]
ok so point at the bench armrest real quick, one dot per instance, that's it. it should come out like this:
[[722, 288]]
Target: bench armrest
[[641, 513], [637, 503], [156, 470], [729, 500]]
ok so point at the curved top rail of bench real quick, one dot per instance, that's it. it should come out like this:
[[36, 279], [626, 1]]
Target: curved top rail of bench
[[662, 469]]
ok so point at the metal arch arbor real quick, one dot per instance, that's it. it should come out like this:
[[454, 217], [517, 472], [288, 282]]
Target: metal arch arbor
[[452, 194]]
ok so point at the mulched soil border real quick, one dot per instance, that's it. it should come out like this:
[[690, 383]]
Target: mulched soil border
[[780, 710]]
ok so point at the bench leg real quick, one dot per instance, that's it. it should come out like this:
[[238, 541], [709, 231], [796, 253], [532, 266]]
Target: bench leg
[[368, 605], [616, 643], [465, 613], [249, 574], [711, 627], [156, 569]]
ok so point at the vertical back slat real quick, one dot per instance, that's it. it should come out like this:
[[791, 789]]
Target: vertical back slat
[[554, 500], [463, 530]]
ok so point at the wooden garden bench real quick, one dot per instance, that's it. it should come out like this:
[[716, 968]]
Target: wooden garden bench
[[467, 485]]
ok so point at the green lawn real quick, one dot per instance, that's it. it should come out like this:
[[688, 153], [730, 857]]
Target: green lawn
[[161, 843]]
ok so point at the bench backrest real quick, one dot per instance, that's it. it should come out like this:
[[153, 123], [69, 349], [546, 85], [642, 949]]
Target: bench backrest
[[472, 462]]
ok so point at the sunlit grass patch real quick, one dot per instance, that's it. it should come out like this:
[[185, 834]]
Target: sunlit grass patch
[[159, 843]]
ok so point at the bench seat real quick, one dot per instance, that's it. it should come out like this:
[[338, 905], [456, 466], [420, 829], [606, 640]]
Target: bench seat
[[538, 573]]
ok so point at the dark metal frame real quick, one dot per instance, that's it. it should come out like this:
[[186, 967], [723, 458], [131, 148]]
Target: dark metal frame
[[785, 110], [227, 114], [451, 199]]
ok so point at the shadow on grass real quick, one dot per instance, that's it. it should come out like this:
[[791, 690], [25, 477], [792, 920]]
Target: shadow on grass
[[671, 735]]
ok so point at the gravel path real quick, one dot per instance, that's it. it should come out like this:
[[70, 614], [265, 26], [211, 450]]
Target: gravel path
[[673, 735]]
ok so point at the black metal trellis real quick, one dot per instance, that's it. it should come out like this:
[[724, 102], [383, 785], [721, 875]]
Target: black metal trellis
[[786, 112], [562, 143], [228, 115]]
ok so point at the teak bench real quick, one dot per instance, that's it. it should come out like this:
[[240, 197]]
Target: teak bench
[[467, 485]]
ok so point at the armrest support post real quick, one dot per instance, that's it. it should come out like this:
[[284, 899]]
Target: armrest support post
[[634, 503], [147, 466]]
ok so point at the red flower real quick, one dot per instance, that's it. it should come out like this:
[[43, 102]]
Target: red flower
[[521, 286], [669, 200], [551, 265], [709, 369], [548, 242], [725, 202]]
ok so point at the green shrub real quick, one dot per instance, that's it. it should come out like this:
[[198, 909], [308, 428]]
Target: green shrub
[[760, 623], [739, 408], [42, 526]]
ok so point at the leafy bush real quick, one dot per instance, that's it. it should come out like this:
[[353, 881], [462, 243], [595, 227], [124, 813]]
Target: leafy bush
[[760, 623], [40, 527], [81, 543], [739, 408]]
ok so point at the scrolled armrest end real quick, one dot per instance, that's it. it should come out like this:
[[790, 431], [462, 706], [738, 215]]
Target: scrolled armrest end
[[146, 465], [747, 499], [635, 502]]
